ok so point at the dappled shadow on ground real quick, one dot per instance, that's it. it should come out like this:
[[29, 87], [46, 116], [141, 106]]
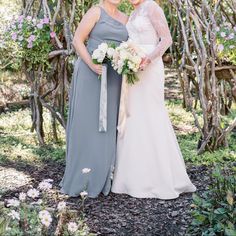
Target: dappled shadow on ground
[[12, 179], [35, 173], [23, 171]]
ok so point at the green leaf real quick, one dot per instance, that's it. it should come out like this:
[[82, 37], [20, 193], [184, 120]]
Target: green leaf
[[197, 200], [220, 211], [230, 232]]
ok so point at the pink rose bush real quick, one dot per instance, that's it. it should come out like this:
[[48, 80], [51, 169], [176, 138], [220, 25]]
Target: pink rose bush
[[32, 40]]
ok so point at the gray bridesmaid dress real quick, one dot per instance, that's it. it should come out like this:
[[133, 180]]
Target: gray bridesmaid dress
[[86, 147]]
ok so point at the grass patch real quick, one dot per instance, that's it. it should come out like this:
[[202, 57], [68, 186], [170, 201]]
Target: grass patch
[[188, 145], [188, 136], [19, 144]]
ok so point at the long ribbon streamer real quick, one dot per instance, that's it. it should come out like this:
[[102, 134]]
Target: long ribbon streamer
[[103, 100], [123, 110]]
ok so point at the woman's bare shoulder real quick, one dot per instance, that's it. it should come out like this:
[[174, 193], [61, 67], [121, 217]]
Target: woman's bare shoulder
[[94, 12]]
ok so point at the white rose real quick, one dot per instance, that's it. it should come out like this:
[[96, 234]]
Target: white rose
[[124, 45], [137, 60], [96, 54], [123, 55], [100, 58], [131, 66], [110, 52], [103, 47]]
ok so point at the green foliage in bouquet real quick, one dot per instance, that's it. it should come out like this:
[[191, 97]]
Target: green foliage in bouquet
[[226, 43], [33, 40], [215, 212]]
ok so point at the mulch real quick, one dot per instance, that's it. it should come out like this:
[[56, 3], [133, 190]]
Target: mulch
[[119, 214]]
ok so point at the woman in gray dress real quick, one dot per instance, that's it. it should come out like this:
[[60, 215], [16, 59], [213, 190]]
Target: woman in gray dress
[[87, 147]]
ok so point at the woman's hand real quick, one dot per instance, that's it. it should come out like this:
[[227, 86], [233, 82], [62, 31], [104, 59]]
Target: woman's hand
[[144, 63], [97, 68]]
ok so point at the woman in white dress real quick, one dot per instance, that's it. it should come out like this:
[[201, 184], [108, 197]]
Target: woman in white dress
[[149, 162]]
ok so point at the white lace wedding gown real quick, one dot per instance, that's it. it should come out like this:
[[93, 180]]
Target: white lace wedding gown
[[149, 162]]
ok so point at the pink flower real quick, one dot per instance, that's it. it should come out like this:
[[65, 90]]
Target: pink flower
[[217, 29], [52, 34], [220, 47], [39, 26], [231, 36], [29, 18], [46, 20], [222, 34], [21, 17], [30, 45], [31, 38], [20, 26], [14, 36]]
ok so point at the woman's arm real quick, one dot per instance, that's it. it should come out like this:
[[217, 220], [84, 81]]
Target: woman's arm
[[159, 22], [81, 34]]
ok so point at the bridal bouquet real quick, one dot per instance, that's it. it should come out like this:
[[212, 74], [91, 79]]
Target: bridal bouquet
[[126, 60]]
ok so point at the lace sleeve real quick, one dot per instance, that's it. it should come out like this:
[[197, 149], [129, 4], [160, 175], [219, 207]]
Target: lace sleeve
[[159, 22]]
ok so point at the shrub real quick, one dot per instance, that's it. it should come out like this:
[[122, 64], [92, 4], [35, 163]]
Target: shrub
[[30, 40], [215, 212]]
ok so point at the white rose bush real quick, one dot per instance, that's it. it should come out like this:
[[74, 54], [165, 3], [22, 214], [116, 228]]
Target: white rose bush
[[30, 214]]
